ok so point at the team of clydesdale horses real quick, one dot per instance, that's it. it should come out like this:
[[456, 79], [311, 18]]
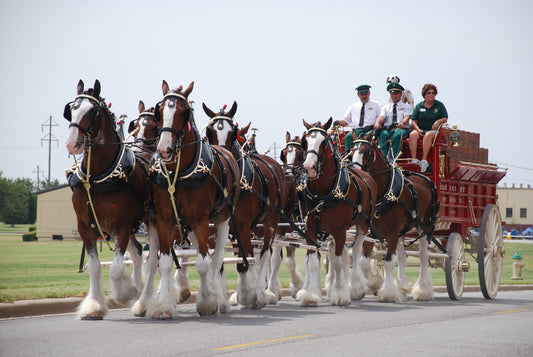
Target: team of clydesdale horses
[[187, 187]]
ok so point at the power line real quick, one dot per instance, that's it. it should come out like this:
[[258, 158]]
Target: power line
[[515, 166]]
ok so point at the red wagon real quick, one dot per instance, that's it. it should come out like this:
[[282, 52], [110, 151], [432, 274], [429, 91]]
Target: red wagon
[[469, 218]]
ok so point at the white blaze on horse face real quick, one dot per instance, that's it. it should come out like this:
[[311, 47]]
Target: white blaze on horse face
[[314, 140], [74, 141], [165, 139], [223, 130], [290, 157], [357, 156]]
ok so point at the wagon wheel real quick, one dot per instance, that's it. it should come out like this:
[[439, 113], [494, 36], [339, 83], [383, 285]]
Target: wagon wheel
[[455, 266], [490, 251]]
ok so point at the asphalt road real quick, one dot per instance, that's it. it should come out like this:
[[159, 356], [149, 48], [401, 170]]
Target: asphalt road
[[470, 327]]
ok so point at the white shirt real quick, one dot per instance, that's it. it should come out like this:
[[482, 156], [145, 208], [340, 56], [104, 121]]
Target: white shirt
[[372, 109], [402, 110]]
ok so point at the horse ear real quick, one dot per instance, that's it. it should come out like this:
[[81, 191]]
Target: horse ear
[[208, 111], [328, 124], [245, 129], [287, 137], [188, 90], [233, 110], [165, 87], [141, 106], [96, 89], [80, 87], [234, 134], [307, 125]]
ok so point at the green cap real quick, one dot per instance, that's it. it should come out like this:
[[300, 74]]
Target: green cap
[[516, 256], [363, 88], [394, 87]]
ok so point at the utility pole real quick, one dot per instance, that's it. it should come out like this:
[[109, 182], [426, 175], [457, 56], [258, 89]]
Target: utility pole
[[38, 170], [274, 147], [49, 137]]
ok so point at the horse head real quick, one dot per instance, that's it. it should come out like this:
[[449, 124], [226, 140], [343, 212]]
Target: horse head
[[317, 146], [247, 144], [84, 115], [367, 155], [174, 115], [292, 155], [221, 130], [146, 129]]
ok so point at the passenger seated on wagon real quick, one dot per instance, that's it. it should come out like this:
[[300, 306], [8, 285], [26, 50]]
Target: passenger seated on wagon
[[426, 119], [394, 118], [361, 116]]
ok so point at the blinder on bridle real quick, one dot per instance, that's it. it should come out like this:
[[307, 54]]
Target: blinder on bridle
[[95, 120], [145, 114]]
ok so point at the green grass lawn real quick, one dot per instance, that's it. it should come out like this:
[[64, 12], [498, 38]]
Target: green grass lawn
[[49, 269]]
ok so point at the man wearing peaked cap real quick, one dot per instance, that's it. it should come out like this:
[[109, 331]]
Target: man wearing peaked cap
[[394, 118], [361, 116]]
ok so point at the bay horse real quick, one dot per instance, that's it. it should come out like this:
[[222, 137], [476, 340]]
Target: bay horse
[[337, 197], [108, 193], [193, 183], [405, 200], [286, 196], [256, 180]]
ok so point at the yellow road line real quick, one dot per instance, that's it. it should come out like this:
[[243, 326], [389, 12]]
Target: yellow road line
[[261, 342], [510, 311]]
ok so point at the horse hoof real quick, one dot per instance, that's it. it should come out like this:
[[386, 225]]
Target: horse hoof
[[142, 314], [163, 316]]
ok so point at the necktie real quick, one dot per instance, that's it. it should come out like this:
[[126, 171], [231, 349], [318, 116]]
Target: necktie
[[362, 116], [394, 115]]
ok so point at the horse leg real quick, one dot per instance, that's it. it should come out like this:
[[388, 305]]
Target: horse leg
[[274, 286], [164, 305], [135, 250], [370, 271], [340, 291], [139, 308], [389, 292], [245, 294], [211, 297], [358, 282], [311, 294], [122, 288], [423, 288], [93, 307], [330, 273], [296, 277], [401, 280], [181, 278]]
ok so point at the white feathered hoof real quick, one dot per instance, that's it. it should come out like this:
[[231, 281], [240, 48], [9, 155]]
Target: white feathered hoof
[[340, 297], [272, 298], [233, 301], [307, 298], [390, 295], [139, 308], [356, 293], [422, 292], [296, 285], [90, 309], [405, 287], [206, 306]]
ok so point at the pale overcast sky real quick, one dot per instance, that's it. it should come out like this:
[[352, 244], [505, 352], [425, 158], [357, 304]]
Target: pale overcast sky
[[280, 60]]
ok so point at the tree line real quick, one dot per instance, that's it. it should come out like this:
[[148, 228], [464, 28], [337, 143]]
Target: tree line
[[18, 199]]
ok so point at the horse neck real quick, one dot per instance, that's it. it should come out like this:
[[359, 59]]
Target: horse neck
[[379, 169], [188, 150], [105, 147], [327, 177]]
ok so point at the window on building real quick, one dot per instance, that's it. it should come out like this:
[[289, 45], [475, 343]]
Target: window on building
[[509, 212], [523, 212]]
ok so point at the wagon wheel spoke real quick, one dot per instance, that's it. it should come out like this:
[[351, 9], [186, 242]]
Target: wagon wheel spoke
[[455, 267]]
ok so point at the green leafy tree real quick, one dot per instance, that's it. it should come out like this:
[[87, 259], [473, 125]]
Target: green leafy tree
[[18, 203]]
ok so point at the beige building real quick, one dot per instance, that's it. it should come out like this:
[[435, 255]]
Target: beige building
[[516, 204], [55, 214]]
